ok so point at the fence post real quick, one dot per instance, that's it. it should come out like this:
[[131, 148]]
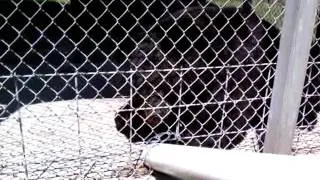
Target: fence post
[[290, 74], [190, 162]]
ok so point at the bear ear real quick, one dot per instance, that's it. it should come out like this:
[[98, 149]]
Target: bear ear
[[153, 120]]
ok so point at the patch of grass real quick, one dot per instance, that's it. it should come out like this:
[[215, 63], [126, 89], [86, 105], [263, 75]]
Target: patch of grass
[[273, 13], [57, 1], [224, 3]]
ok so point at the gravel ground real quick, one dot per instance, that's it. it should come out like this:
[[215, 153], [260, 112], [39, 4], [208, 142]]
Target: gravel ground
[[58, 142]]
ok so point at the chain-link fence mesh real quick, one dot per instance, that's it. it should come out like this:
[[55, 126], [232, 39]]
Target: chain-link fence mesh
[[84, 84]]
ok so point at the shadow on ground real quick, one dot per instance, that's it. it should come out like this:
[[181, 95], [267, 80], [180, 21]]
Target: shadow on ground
[[161, 176]]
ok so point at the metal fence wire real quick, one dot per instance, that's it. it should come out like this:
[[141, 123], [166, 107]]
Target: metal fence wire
[[85, 84]]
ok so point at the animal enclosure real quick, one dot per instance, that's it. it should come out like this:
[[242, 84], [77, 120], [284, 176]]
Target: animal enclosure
[[85, 84]]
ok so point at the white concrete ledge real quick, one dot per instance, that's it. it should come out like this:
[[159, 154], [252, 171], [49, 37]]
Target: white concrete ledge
[[187, 162]]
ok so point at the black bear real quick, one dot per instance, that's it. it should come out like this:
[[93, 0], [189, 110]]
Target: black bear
[[46, 48], [204, 76]]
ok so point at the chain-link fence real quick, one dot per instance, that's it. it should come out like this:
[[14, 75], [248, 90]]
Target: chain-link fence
[[86, 83]]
